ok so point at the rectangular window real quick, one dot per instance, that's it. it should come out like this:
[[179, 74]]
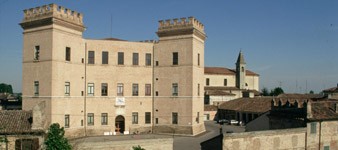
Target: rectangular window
[[207, 81], [105, 57], [148, 59], [198, 59], [67, 88], [313, 127], [174, 118], [37, 52], [104, 89], [67, 54], [135, 89], [157, 63], [135, 58], [119, 89], [175, 58], [326, 147], [148, 118], [198, 89], [148, 90], [66, 121], [36, 88], [90, 119], [225, 82], [198, 117], [156, 120], [134, 118], [91, 57], [120, 58], [175, 89], [90, 89], [104, 119]]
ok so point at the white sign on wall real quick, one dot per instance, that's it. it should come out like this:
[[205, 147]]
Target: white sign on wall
[[120, 101]]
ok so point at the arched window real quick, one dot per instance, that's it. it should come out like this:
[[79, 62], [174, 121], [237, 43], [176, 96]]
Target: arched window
[[242, 69]]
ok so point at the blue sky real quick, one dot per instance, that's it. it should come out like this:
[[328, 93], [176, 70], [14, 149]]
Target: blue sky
[[289, 43]]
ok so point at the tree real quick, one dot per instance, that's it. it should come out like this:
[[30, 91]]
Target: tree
[[138, 148], [276, 91], [265, 92], [55, 138], [6, 88], [311, 92]]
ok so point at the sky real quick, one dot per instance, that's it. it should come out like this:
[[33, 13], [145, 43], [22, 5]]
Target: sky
[[289, 43]]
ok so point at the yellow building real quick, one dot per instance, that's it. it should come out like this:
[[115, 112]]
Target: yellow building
[[112, 86]]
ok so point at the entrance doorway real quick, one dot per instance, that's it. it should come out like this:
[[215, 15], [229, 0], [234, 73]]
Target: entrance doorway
[[119, 124]]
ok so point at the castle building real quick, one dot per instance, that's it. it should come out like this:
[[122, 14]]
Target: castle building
[[112, 86], [223, 84]]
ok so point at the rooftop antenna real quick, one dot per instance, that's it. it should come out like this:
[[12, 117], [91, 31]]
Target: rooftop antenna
[[111, 25]]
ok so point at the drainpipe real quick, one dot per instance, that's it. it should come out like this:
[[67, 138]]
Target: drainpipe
[[84, 93], [153, 87], [320, 133]]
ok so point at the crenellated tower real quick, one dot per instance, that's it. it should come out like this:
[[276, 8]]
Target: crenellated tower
[[53, 52], [179, 77]]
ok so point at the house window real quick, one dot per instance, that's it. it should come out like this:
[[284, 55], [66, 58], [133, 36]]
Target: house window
[[67, 88], [326, 147], [66, 121], [135, 89], [175, 89], [198, 89], [225, 82], [207, 81], [157, 63], [198, 59], [37, 52], [198, 117], [105, 57], [67, 54], [120, 58], [156, 120], [313, 127], [119, 89], [175, 58], [104, 119], [90, 89], [135, 58], [90, 119], [148, 90], [27, 144], [147, 118], [91, 57], [174, 118], [148, 59], [36, 88], [104, 89], [135, 118]]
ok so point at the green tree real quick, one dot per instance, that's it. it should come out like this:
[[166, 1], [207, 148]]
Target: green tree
[[265, 92], [55, 138], [6, 88], [311, 92], [276, 91], [138, 148]]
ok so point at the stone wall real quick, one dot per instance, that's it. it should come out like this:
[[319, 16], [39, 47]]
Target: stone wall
[[111, 143], [273, 139]]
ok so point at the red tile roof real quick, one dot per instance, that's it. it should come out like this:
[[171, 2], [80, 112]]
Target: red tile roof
[[299, 96], [256, 104], [15, 121], [331, 90], [323, 110], [210, 108], [225, 71]]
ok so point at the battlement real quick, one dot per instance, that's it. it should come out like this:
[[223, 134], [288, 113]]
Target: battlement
[[52, 11], [181, 23]]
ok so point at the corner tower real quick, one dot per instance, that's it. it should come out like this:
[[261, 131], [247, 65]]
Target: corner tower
[[240, 72], [52, 51], [179, 77]]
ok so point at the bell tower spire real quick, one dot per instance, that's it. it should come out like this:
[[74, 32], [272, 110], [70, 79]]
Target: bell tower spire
[[240, 71]]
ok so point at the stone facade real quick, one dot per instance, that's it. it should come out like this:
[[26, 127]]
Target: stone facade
[[95, 86]]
